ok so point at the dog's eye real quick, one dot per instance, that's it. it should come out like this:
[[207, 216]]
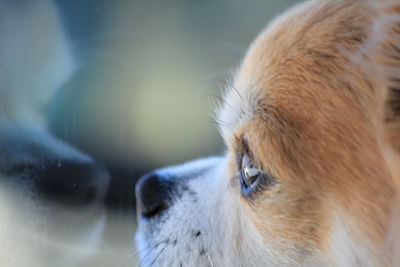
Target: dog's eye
[[249, 176]]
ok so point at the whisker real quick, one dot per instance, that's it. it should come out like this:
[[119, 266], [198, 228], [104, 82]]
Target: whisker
[[236, 90], [156, 257], [143, 259], [148, 253], [139, 251], [224, 101], [231, 86], [209, 259], [219, 123], [224, 122], [228, 84]]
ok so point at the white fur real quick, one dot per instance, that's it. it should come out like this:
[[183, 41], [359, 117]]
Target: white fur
[[209, 205], [228, 237], [345, 249], [240, 102]]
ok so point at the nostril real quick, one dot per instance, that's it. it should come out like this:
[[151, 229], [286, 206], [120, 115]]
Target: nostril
[[154, 210], [153, 194]]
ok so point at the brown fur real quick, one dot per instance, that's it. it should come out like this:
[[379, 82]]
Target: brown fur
[[312, 126], [326, 120]]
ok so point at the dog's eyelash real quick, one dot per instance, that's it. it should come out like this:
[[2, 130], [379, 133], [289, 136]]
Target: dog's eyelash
[[245, 145], [243, 149]]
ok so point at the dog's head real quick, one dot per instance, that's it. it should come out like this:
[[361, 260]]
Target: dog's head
[[37, 60], [51, 194], [309, 178]]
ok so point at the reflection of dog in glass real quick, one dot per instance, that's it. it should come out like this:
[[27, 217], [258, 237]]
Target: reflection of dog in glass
[[34, 165], [312, 129]]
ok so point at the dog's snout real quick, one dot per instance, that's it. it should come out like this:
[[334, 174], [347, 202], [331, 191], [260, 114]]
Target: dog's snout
[[153, 194], [72, 183]]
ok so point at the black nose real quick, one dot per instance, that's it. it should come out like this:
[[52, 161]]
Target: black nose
[[72, 183], [153, 194]]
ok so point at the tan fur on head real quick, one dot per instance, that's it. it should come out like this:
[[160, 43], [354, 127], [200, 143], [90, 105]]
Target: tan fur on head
[[316, 106], [327, 106]]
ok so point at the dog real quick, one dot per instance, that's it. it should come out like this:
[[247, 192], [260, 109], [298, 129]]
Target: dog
[[50, 192], [311, 173]]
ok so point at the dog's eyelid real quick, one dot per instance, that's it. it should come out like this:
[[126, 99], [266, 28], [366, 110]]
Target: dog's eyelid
[[245, 146], [242, 149]]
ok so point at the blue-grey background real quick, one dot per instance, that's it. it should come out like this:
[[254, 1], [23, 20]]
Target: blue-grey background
[[148, 75], [147, 79]]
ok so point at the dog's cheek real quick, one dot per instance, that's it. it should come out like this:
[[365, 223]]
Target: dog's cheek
[[291, 222], [215, 218]]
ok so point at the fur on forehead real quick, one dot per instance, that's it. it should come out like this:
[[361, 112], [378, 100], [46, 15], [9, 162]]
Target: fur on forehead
[[241, 101], [275, 45], [320, 97]]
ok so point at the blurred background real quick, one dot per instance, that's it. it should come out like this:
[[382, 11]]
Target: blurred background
[[148, 76]]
